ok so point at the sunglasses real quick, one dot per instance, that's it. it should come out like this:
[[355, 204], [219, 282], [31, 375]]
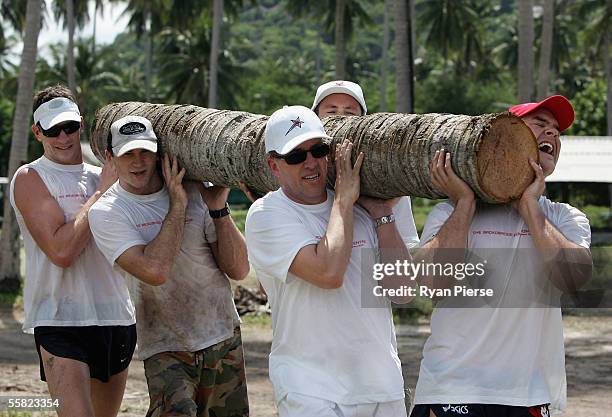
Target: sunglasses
[[54, 131], [299, 155]]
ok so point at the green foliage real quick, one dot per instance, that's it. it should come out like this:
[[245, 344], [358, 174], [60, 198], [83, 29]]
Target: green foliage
[[7, 107], [600, 217], [239, 217], [590, 107], [452, 94]]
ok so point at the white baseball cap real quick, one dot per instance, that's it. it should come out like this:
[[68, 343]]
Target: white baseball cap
[[340, 87], [291, 126], [132, 132], [55, 111]]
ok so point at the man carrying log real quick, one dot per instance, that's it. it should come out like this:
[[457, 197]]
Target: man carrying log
[[175, 242], [78, 308], [345, 98], [339, 98], [330, 357], [495, 360]]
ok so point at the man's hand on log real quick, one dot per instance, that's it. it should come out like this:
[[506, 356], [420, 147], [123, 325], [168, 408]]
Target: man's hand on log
[[446, 181], [531, 196], [174, 182], [347, 176], [108, 176], [250, 194], [214, 197], [377, 207]]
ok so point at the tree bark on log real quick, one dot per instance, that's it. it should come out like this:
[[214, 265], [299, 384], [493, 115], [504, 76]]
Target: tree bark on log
[[490, 152]]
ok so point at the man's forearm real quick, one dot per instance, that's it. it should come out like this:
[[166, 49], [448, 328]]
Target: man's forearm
[[163, 250], [72, 237], [232, 252], [392, 249], [568, 264], [336, 246], [449, 244]]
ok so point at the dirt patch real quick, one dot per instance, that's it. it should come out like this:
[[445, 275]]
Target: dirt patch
[[588, 342]]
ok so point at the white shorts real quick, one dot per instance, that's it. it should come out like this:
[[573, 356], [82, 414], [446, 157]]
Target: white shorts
[[298, 405]]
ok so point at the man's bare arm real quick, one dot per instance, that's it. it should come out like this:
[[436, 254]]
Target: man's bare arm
[[446, 245], [153, 262], [230, 248], [61, 241], [569, 264], [325, 263]]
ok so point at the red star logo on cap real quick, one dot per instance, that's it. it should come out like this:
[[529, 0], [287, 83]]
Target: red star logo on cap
[[295, 123]]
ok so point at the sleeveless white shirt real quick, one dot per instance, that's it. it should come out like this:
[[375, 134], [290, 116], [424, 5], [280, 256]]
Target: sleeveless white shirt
[[88, 292]]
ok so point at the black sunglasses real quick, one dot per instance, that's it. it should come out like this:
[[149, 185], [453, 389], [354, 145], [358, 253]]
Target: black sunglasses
[[299, 155], [54, 131]]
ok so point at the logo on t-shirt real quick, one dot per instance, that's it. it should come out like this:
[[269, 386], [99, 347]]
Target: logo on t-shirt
[[458, 409]]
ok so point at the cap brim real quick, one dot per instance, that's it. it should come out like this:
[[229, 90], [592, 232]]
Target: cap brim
[[293, 143], [47, 122], [136, 144]]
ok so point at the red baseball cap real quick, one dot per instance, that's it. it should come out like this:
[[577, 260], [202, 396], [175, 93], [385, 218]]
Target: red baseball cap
[[559, 106]]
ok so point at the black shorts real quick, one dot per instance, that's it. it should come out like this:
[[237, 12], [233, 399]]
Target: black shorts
[[479, 410], [107, 350]]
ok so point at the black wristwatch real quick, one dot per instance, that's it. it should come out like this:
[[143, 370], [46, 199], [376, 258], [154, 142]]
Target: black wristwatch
[[217, 214]]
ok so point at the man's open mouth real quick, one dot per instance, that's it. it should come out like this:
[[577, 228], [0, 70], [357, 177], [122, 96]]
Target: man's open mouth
[[547, 148]]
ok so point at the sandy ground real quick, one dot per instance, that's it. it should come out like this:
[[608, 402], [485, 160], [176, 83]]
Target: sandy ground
[[588, 354]]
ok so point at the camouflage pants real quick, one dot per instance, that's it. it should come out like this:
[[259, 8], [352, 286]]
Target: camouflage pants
[[207, 383]]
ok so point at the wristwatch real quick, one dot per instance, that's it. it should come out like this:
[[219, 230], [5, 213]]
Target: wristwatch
[[384, 220], [217, 214]]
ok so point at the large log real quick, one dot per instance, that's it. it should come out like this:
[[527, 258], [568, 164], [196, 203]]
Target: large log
[[490, 152]]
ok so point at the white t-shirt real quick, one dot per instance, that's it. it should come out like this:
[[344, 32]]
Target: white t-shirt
[[87, 293], [194, 308], [325, 344], [511, 356]]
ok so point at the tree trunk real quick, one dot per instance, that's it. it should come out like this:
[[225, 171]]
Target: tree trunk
[[608, 69], [546, 49], [340, 41], [148, 55], [10, 256], [214, 52], [95, 24], [70, 51], [404, 94], [413, 35], [384, 65], [490, 151], [318, 58], [525, 52]]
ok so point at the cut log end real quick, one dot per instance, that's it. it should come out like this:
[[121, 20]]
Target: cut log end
[[502, 161]]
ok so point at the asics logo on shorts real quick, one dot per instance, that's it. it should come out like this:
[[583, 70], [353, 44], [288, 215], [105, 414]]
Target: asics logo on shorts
[[459, 409]]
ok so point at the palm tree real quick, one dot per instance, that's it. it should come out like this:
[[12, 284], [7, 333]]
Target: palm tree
[[72, 12], [6, 66], [340, 41], [404, 74], [384, 64], [185, 66], [546, 48], [10, 256], [214, 52], [227, 146], [451, 25], [525, 50], [147, 18], [599, 15], [341, 22]]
